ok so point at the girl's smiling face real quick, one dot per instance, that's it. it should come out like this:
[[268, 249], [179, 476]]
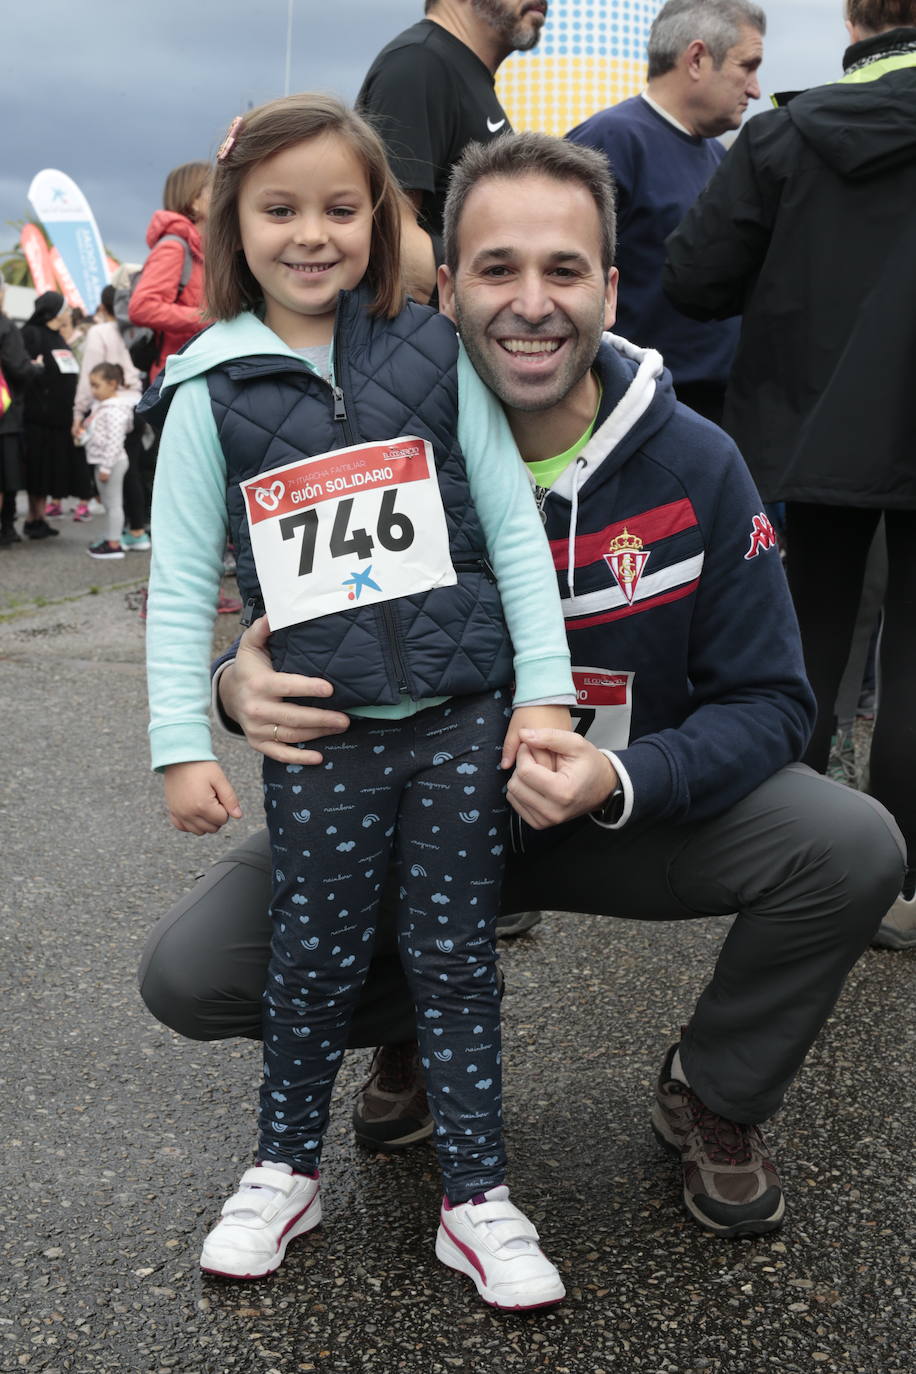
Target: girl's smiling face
[[305, 221]]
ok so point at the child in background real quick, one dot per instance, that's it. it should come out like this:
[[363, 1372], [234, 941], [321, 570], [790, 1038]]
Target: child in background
[[316, 350], [111, 420]]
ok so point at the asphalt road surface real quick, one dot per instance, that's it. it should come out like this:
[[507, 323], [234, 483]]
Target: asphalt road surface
[[120, 1141]]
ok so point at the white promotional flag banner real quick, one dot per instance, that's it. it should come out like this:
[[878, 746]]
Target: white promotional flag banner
[[64, 211], [592, 54]]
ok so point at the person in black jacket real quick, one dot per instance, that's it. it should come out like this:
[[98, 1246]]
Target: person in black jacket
[[19, 372], [49, 450], [808, 231]]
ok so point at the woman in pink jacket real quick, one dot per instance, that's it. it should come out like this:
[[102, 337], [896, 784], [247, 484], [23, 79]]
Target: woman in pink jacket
[[160, 302]]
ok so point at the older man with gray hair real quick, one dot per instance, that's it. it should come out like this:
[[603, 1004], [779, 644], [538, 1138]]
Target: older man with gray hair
[[662, 149]]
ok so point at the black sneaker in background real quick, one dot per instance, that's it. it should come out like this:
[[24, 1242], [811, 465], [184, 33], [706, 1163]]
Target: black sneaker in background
[[39, 529], [731, 1185], [105, 550]]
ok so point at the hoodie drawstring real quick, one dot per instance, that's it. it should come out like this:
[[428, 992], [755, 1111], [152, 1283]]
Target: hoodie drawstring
[[581, 465]]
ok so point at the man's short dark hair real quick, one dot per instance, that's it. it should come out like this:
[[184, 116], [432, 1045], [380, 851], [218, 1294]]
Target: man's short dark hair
[[717, 22], [531, 154], [877, 15]]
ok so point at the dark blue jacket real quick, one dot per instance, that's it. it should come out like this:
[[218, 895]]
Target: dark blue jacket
[[708, 645]]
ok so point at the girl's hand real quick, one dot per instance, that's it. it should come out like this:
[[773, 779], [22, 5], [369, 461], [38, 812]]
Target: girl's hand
[[199, 797], [533, 718], [103, 474]]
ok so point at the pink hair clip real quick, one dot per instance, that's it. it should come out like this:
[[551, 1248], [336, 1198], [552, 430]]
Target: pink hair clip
[[229, 142]]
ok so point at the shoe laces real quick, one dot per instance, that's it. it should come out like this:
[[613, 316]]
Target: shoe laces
[[394, 1067], [724, 1141]]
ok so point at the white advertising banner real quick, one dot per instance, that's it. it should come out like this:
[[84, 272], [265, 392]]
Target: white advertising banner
[[65, 213]]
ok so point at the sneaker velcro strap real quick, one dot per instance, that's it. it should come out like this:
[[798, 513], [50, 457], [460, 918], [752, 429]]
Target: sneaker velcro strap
[[258, 1177], [265, 1203], [514, 1225]]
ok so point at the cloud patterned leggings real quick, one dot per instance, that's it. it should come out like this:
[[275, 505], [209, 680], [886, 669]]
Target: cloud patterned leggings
[[427, 794]]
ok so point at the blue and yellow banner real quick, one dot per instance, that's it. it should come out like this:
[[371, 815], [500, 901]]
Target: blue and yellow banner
[[591, 55]]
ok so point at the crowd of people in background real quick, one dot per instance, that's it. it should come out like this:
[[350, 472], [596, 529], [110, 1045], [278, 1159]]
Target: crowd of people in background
[[68, 435]]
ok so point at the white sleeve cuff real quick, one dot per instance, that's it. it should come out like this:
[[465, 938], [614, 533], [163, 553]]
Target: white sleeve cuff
[[226, 723], [623, 779]]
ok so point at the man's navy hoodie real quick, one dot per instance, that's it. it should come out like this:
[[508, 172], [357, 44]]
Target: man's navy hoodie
[[708, 645]]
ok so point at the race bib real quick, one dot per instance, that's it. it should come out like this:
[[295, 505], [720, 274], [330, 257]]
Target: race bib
[[349, 528], [604, 706], [66, 361]]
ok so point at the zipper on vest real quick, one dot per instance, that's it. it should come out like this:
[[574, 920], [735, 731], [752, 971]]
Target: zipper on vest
[[388, 617], [393, 630], [254, 607], [340, 405]]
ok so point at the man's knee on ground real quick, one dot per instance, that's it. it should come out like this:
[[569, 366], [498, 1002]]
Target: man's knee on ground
[[176, 984], [863, 847]]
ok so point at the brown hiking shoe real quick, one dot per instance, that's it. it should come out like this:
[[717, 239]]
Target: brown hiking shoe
[[391, 1110], [731, 1185]]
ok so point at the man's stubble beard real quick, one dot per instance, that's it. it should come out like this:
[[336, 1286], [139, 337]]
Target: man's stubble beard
[[517, 36], [575, 368]]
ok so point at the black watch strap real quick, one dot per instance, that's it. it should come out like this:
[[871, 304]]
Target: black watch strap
[[612, 810]]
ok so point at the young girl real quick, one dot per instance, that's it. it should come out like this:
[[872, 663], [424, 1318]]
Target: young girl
[[111, 421], [378, 562]]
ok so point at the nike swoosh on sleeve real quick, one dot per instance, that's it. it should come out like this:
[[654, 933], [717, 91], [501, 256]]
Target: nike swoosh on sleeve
[[494, 128]]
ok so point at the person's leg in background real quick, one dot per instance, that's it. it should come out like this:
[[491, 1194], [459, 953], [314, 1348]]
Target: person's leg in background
[[828, 549], [134, 536], [893, 750], [82, 482], [111, 496], [848, 759]]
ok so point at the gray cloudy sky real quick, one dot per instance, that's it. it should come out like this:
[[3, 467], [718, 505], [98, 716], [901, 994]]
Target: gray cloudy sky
[[116, 92]]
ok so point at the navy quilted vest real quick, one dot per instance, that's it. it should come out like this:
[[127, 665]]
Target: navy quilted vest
[[393, 377]]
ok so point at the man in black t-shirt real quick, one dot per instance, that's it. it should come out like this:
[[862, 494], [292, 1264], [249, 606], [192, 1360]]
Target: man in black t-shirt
[[431, 92]]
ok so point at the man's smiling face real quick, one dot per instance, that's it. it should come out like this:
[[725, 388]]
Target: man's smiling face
[[529, 295]]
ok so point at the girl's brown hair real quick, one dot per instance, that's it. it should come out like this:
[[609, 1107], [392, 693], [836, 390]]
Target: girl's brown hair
[[109, 372], [229, 284], [182, 187]]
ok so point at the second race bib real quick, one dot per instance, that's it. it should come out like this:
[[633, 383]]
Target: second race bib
[[348, 528], [604, 706]]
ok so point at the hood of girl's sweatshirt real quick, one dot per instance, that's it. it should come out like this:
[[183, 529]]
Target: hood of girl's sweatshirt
[[245, 336], [224, 342], [170, 222]]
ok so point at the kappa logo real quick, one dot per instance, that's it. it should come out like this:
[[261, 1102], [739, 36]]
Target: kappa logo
[[627, 559], [270, 497], [763, 536]]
